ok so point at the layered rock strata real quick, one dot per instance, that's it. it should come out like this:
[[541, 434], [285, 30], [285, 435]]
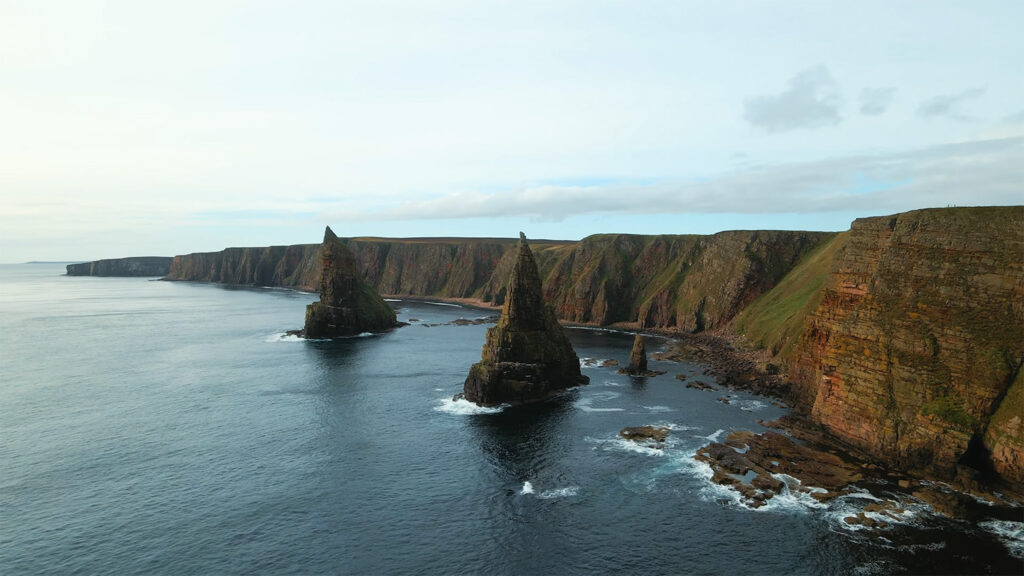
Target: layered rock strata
[[347, 305], [668, 283], [913, 355], [527, 356]]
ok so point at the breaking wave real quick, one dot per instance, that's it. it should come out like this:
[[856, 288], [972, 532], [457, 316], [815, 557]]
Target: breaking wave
[[559, 493], [1009, 532], [463, 407]]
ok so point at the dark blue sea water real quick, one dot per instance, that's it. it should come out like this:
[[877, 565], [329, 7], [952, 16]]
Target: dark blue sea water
[[155, 427]]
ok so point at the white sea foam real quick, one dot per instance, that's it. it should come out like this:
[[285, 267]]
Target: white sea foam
[[586, 403], [659, 408], [905, 511], [677, 427], [283, 337], [619, 444], [714, 437], [443, 304], [1009, 532], [559, 493], [632, 446], [392, 300], [592, 363], [612, 383], [527, 488], [463, 407], [750, 405]]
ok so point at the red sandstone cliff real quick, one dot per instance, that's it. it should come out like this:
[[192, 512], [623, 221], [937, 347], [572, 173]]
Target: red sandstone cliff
[[918, 336]]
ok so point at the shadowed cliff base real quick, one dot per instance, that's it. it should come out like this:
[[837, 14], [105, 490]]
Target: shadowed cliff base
[[527, 356]]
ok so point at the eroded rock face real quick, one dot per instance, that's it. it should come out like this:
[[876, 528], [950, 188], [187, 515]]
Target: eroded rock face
[[638, 356], [917, 339], [133, 266], [347, 305], [675, 283], [527, 356], [1004, 437]]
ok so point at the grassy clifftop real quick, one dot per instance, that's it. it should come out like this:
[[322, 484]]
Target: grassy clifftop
[[775, 321]]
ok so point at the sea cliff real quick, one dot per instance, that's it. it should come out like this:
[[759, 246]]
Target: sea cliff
[[904, 339], [133, 266], [669, 283]]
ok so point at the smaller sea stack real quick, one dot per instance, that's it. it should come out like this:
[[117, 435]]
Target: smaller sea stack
[[348, 305], [638, 360], [527, 356], [638, 357]]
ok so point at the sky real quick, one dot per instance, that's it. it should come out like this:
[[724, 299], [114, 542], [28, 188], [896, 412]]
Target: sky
[[134, 128]]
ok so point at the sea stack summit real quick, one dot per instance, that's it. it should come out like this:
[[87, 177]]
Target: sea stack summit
[[527, 356], [347, 306]]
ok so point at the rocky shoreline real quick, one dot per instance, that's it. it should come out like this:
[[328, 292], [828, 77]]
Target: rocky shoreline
[[819, 464]]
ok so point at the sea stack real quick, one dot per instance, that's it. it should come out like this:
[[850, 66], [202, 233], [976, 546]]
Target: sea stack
[[348, 305], [638, 357], [527, 356]]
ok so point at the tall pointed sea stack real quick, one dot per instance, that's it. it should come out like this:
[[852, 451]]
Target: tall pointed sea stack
[[527, 356], [638, 357], [347, 305]]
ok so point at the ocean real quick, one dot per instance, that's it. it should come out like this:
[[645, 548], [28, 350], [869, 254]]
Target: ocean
[[154, 427]]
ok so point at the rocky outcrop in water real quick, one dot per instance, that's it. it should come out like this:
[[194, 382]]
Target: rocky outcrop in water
[[638, 360], [657, 434], [347, 305], [754, 463], [132, 266], [527, 356], [638, 356]]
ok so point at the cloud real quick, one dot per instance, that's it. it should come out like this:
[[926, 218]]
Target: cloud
[[1016, 118], [810, 102], [967, 173], [875, 101], [949, 104]]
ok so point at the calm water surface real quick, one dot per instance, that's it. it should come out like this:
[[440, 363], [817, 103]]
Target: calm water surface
[[171, 428]]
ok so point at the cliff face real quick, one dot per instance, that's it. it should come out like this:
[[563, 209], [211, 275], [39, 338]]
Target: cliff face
[[134, 266], [670, 283], [917, 338], [296, 266]]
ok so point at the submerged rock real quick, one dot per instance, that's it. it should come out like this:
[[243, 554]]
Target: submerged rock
[[638, 433], [527, 356], [752, 464], [347, 306]]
